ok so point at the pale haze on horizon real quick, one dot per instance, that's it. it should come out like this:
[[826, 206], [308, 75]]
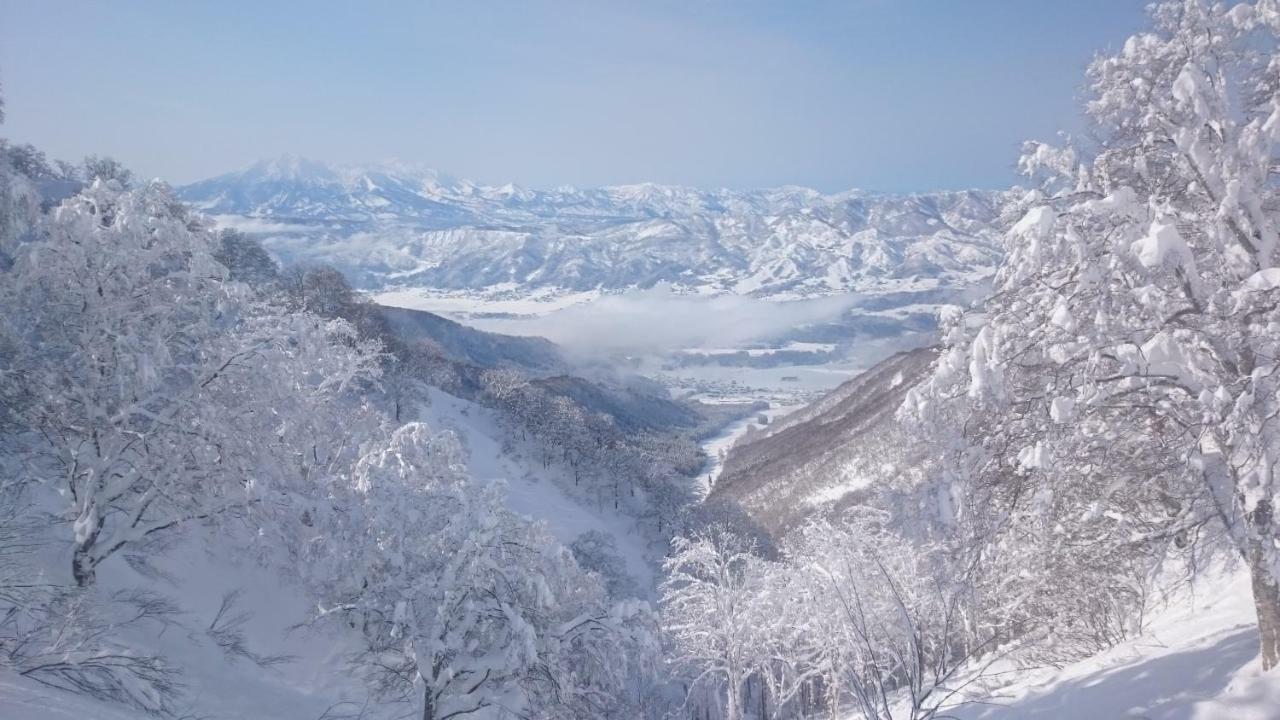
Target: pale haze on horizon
[[893, 96]]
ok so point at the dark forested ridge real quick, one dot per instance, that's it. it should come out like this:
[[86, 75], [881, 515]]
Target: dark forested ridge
[[846, 436]]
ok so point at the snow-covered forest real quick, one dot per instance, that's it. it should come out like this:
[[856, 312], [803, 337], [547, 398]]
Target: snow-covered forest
[[233, 486]]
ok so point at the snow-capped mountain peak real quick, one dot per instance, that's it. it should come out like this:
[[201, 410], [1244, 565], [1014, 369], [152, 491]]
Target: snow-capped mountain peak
[[290, 168]]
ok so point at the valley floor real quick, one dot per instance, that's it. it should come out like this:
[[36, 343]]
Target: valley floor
[[718, 446]]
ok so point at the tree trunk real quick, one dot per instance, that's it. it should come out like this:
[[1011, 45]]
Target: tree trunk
[[428, 703], [734, 709], [1266, 599], [82, 565], [82, 560], [764, 702], [1266, 586]]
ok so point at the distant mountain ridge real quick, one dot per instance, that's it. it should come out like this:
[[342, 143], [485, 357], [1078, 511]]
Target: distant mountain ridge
[[403, 226]]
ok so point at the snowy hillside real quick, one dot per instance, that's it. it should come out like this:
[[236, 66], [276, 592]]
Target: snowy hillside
[[316, 442], [1195, 658], [395, 225], [1198, 660], [309, 677], [821, 458], [272, 506]]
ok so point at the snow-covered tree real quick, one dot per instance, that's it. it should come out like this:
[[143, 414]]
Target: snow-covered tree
[[149, 379], [880, 619], [19, 206], [1119, 395], [157, 375], [107, 169], [245, 259], [712, 581], [598, 552], [464, 607]]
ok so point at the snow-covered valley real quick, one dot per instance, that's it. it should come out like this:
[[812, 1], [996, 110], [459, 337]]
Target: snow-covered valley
[[651, 275], [598, 425], [341, 440]]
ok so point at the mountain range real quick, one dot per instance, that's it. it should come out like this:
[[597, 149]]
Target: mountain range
[[398, 226]]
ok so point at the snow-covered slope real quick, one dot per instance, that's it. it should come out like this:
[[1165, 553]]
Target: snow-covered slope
[[818, 458], [397, 225], [316, 680], [197, 575], [535, 491], [1197, 660]]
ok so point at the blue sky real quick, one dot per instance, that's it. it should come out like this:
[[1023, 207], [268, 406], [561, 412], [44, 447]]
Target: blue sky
[[884, 95]]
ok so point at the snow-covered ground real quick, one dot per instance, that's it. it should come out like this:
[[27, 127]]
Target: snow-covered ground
[[532, 490], [198, 572], [836, 492], [1198, 660], [461, 305], [196, 576], [792, 346], [23, 699]]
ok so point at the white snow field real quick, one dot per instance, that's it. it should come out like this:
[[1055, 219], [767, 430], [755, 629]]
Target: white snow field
[[1198, 660], [196, 578]]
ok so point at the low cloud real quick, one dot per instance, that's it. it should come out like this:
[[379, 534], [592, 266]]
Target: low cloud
[[255, 225], [659, 320]]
